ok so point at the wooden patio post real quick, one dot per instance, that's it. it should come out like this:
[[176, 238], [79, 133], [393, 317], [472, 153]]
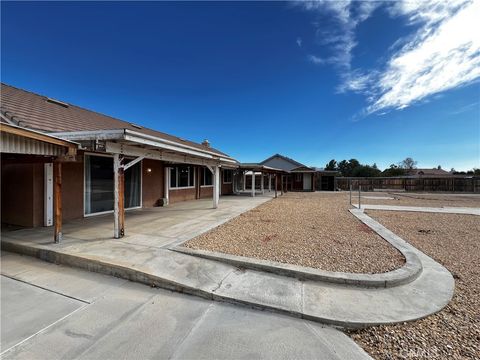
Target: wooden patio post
[[119, 191], [253, 183], [262, 182], [57, 196], [281, 184], [276, 183], [216, 185]]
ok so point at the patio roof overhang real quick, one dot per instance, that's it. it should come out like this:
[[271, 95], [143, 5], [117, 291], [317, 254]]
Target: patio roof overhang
[[132, 143], [19, 140], [260, 168]]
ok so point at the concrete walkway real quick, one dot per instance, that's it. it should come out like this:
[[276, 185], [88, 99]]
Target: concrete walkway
[[56, 312], [139, 258], [441, 210]]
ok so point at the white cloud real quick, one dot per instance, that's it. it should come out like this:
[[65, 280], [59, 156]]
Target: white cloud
[[340, 38], [443, 54], [299, 41], [316, 60]]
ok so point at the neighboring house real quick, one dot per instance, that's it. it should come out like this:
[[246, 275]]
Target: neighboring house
[[435, 172], [112, 160], [302, 177]]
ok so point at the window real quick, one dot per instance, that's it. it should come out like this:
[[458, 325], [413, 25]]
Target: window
[[227, 176], [206, 178], [298, 177], [182, 177], [99, 185]]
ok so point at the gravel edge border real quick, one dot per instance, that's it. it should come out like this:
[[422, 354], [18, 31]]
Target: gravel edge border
[[404, 275]]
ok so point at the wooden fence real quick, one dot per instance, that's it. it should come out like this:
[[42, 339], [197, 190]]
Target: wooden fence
[[443, 184]]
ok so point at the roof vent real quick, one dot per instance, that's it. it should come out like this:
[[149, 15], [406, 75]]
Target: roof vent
[[206, 143], [57, 102], [136, 126]]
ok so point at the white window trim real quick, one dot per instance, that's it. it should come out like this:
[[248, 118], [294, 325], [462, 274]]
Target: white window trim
[[182, 187], [203, 177], [84, 186], [223, 177]]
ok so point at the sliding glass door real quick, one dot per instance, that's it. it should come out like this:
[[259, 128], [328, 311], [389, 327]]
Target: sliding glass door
[[99, 185]]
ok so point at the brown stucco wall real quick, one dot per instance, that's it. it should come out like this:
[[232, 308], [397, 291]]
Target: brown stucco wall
[[206, 192], [226, 189], [152, 183], [22, 194], [72, 189], [181, 195]]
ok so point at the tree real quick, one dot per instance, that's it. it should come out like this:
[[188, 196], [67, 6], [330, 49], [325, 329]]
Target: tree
[[365, 171], [408, 164], [439, 167], [343, 167], [331, 166], [394, 170]]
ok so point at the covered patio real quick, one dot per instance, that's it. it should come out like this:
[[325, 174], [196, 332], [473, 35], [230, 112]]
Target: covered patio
[[157, 227]]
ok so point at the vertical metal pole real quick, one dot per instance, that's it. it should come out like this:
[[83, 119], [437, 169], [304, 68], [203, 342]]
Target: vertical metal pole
[[350, 181], [359, 191]]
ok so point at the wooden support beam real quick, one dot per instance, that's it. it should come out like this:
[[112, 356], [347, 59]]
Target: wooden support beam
[[281, 184], [57, 199], [276, 183], [262, 182], [119, 205], [166, 186], [216, 186], [253, 183]]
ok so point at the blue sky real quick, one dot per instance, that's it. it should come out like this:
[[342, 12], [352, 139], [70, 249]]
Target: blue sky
[[313, 80]]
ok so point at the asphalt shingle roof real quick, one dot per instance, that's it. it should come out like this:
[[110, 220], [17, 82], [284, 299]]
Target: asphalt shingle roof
[[36, 112]]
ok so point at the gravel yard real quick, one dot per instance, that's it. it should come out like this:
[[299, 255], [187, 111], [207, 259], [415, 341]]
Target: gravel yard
[[307, 229], [419, 199], [452, 240]]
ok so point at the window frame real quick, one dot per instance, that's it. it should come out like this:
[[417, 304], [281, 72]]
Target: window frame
[[89, 153], [202, 177], [230, 171], [175, 168]]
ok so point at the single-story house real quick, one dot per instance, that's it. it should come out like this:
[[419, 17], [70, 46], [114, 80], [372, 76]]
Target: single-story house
[[424, 173], [62, 162], [301, 177]]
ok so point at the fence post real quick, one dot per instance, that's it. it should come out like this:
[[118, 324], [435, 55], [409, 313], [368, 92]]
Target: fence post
[[359, 201], [350, 191]]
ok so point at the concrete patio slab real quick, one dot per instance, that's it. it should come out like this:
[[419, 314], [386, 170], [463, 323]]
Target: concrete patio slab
[[31, 309], [132, 321]]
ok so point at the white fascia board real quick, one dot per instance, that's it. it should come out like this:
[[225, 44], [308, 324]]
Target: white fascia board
[[159, 144], [116, 134], [128, 150], [177, 144], [140, 138]]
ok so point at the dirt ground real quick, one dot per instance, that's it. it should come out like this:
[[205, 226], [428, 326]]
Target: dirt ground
[[307, 229], [420, 199], [453, 333]]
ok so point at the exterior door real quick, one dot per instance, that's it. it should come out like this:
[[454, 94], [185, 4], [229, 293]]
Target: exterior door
[[307, 181]]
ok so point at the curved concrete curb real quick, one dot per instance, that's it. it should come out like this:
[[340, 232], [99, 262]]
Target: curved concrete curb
[[407, 273], [334, 304]]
